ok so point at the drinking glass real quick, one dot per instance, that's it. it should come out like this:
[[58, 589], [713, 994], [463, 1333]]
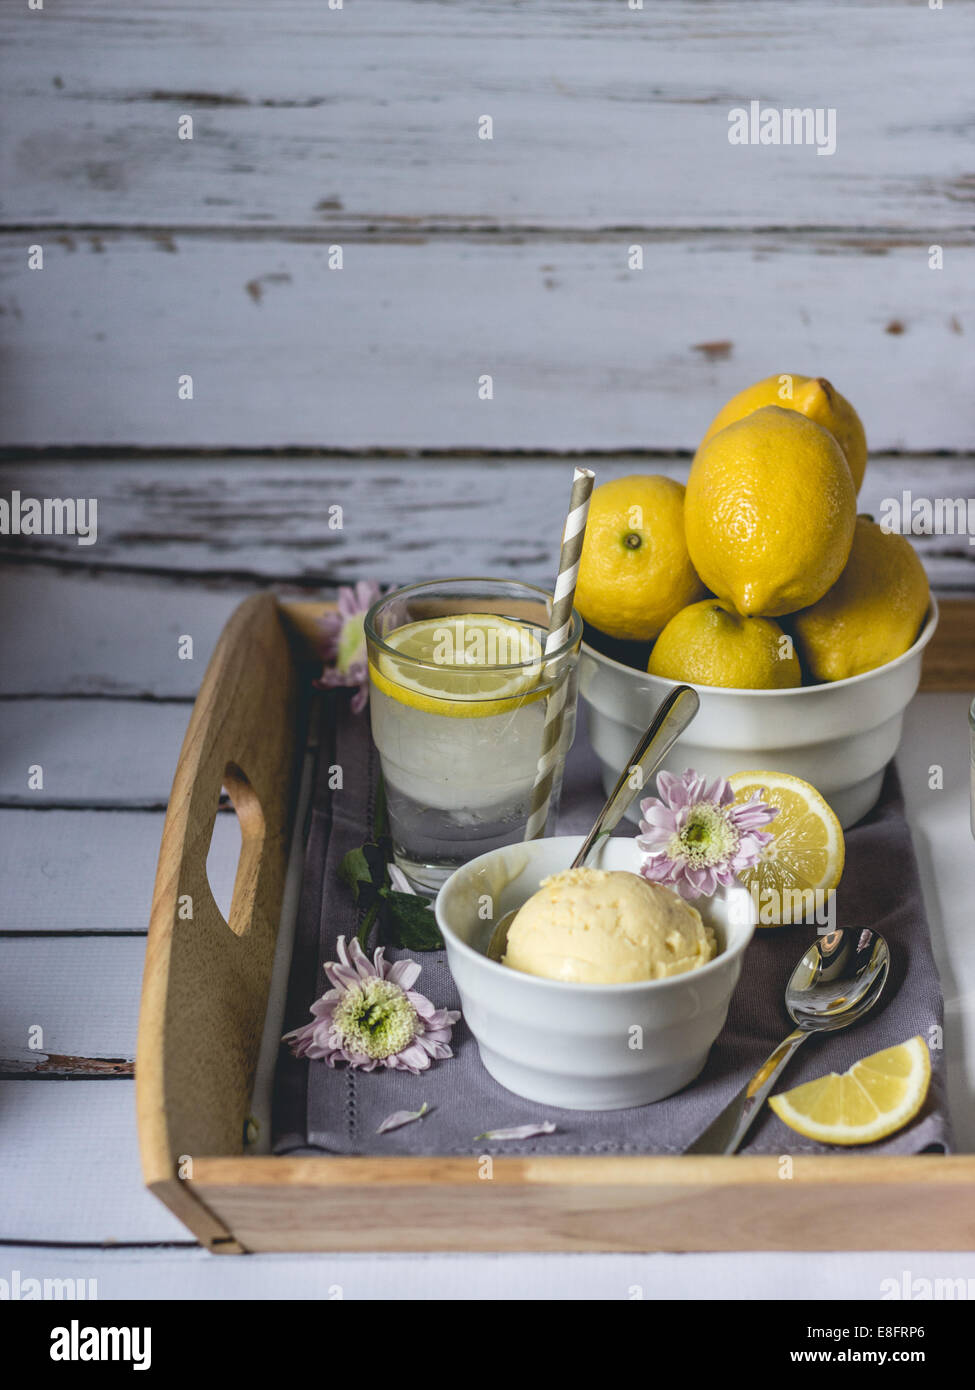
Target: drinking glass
[[459, 727]]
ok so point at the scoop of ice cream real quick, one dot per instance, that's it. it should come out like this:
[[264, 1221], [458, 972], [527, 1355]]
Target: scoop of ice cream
[[606, 927]]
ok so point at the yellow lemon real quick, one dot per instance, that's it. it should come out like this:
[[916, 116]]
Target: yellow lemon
[[710, 643], [875, 1098], [467, 666], [812, 396], [769, 512], [635, 572], [871, 614], [806, 853]]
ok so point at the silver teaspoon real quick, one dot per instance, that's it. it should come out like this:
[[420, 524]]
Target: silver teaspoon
[[671, 719], [838, 980]]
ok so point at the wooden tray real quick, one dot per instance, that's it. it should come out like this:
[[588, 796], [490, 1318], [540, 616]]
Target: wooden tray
[[205, 995]]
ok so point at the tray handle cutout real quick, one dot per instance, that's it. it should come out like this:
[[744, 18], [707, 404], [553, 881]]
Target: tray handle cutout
[[237, 842]]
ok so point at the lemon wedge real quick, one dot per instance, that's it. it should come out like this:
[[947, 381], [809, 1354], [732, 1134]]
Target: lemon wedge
[[465, 666], [806, 851], [875, 1098]]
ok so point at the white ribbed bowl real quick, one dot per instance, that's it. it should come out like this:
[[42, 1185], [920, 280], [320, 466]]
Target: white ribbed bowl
[[573, 1045], [839, 736]]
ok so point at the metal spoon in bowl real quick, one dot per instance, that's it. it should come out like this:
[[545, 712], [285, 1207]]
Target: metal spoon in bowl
[[671, 719], [838, 980]]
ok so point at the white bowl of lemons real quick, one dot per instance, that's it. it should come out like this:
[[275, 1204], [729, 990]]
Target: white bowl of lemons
[[801, 625], [839, 736]]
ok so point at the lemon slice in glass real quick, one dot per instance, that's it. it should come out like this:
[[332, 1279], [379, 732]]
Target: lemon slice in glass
[[806, 851], [875, 1098], [466, 666]]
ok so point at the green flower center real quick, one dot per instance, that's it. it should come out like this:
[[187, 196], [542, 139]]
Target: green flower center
[[352, 642], [376, 1018], [707, 837]]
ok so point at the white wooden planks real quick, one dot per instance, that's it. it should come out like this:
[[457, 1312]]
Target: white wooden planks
[[93, 871], [82, 993], [390, 351], [603, 116], [268, 520], [86, 633], [195, 1274], [91, 752], [82, 871], [70, 1160]]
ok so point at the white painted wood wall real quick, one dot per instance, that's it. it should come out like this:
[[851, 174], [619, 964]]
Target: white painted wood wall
[[315, 128]]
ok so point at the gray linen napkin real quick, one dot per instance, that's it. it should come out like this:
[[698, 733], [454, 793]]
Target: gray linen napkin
[[319, 1109]]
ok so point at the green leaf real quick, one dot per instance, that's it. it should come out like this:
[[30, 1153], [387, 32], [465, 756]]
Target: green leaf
[[410, 922], [354, 869]]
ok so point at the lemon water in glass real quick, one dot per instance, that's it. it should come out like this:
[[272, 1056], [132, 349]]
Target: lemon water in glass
[[458, 692]]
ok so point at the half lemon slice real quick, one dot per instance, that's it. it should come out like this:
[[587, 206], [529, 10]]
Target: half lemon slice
[[806, 852], [875, 1098], [465, 666]]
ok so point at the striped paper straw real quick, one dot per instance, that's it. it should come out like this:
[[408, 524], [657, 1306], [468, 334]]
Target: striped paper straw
[[560, 625]]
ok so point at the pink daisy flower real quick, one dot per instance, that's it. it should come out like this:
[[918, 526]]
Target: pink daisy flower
[[695, 837], [344, 642], [372, 1017]]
